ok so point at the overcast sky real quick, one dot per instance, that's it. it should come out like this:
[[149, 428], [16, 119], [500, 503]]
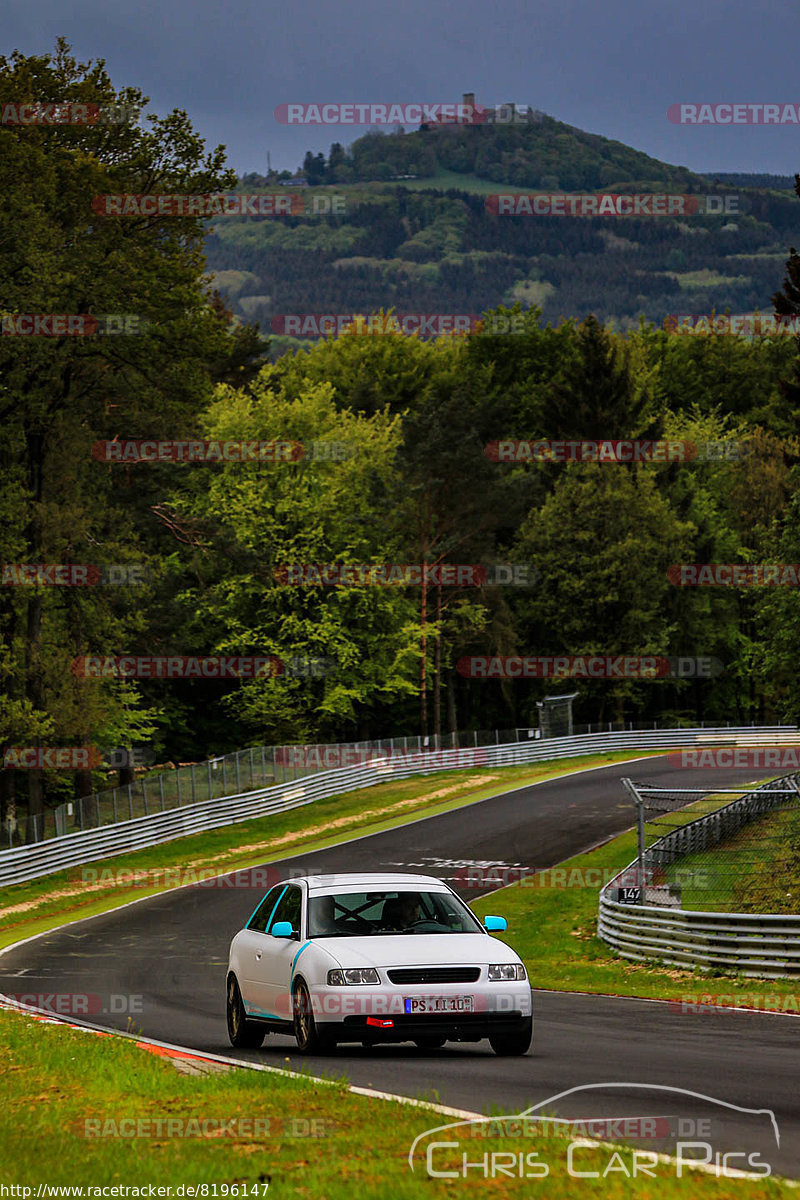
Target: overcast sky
[[608, 66]]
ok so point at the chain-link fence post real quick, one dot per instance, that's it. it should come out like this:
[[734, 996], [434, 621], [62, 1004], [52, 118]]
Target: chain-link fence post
[[639, 802]]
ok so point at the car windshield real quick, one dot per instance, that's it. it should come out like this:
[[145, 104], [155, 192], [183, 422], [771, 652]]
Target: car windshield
[[365, 914]]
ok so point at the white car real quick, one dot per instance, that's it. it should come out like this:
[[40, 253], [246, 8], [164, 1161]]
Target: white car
[[375, 958]]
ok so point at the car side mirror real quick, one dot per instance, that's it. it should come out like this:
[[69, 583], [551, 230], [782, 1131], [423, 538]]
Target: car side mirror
[[282, 929], [495, 924]]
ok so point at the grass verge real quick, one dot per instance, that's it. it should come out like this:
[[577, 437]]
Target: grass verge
[[96, 1112]]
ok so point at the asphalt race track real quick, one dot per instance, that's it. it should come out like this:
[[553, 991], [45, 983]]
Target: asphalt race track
[[167, 956]]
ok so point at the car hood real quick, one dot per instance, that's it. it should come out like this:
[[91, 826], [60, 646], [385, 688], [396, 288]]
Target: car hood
[[418, 949]]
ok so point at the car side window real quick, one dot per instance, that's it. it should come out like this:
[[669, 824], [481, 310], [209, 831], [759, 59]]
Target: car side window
[[261, 916], [289, 908]]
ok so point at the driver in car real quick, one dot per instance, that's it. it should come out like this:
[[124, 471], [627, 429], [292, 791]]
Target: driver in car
[[325, 920], [399, 914]]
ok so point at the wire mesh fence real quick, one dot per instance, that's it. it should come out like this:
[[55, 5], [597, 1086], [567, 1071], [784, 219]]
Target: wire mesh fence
[[732, 850]]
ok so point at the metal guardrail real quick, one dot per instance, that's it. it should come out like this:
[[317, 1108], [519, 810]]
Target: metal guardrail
[[24, 863], [750, 944]]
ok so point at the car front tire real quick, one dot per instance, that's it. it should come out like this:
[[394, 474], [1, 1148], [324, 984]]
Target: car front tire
[[242, 1033], [514, 1043], [308, 1035]]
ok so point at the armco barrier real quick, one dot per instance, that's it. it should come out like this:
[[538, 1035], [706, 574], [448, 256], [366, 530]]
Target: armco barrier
[[751, 944], [24, 863]]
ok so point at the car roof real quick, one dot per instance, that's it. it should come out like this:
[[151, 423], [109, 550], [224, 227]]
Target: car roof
[[373, 881]]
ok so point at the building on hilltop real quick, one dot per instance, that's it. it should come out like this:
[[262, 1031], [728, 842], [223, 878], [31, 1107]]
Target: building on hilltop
[[506, 114]]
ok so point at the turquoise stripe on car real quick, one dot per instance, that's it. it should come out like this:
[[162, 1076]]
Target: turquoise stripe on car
[[271, 915], [294, 960]]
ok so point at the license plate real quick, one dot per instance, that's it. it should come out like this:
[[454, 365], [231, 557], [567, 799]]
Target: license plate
[[437, 1004]]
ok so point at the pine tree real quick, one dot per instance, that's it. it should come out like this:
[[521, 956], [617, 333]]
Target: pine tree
[[599, 394]]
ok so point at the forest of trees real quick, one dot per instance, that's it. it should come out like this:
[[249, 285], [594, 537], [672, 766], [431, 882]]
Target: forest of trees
[[416, 484], [443, 252]]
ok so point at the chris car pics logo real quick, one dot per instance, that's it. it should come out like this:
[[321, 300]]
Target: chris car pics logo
[[699, 1133]]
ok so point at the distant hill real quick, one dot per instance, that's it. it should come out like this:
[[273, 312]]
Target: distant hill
[[544, 153], [429, 245]]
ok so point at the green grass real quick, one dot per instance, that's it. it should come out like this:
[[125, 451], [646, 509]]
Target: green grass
[[757, 870], [72, 1101], [531, 292], [443, 180], [707, 278], [70, 895]]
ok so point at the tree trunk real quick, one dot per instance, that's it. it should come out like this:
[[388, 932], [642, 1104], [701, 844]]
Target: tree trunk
[[126, 775], [423, 698], [8, 806], [451, 711], [437, 685], [34, 825], [83, 788]]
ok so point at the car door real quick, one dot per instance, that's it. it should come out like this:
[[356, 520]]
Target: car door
[[253, 945], [276, 963]]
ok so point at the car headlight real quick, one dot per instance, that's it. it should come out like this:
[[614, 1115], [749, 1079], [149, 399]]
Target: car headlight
[[353, 975], [501, 972]]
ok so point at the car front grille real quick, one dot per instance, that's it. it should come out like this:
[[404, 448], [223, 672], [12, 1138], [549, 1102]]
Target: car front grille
[[434, 974]]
